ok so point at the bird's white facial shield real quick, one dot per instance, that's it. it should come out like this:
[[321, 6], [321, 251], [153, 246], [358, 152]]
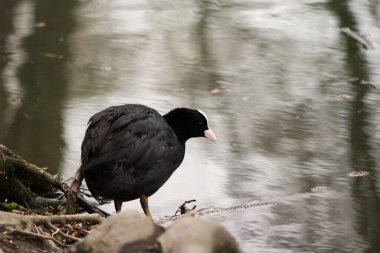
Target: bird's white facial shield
[[209, 134]]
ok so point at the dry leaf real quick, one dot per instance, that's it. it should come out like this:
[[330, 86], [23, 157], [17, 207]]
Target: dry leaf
[[40, 24], [216, 91]]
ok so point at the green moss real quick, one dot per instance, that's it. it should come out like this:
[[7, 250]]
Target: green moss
[[11, 205]]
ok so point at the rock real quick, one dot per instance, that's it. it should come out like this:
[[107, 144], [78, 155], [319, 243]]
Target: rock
[[132, 232], [125, 232], [189, 235]]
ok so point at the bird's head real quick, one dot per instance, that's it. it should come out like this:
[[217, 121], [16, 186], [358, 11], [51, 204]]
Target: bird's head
[[188, 123]]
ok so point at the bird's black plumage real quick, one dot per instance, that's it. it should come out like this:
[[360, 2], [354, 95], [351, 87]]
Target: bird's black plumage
[[130, 151]]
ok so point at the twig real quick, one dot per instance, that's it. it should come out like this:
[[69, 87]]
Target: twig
[[210, 211], [67, 180], [58, 231], [49, 244], [7, 151], [358, 37], [90, 208], [84, 231], [55, 232], [2, 159], [182, 208], [44, 237]]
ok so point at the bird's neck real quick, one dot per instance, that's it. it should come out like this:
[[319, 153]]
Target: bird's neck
[[178, 127]]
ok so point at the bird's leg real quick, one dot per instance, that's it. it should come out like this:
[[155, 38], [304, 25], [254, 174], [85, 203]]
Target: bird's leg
[[145, 206], [118, 205]]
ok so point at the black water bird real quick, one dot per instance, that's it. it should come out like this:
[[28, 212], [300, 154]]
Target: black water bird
[[130, 151]]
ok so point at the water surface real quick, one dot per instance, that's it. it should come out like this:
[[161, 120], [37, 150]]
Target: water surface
[[298, 107]]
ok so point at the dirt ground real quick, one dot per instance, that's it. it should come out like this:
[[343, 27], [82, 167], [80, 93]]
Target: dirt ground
[[16, 244]]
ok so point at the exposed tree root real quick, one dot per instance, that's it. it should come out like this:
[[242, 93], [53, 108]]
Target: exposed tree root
[[62, 230], [19, 163], [24, 186], [27, 184]]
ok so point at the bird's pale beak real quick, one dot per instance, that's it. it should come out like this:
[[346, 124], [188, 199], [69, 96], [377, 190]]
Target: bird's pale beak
[[209, 134]]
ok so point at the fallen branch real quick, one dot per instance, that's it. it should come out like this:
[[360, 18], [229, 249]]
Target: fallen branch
[[361, 38], [64, 219], [11, 219]]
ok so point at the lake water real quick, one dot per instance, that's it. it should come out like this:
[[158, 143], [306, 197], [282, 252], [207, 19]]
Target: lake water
[[295, 110]]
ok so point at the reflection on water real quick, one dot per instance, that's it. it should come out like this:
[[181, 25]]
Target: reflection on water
[[295, 110], [367, 201], [36, 127]]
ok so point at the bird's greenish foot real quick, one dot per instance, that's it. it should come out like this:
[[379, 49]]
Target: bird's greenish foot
[[145, 206]]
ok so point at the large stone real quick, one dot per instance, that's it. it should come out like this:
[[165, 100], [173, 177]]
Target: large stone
[[189, 235], [133, 232], [125, 232]]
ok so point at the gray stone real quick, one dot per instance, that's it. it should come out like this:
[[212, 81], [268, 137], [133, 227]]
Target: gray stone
[[125, 232], [189, 235], [132, 232]]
